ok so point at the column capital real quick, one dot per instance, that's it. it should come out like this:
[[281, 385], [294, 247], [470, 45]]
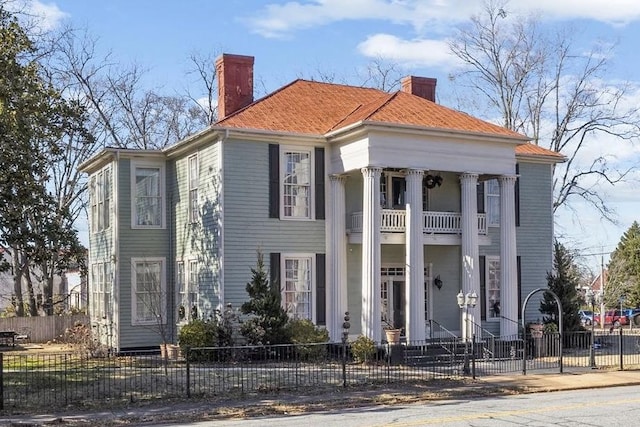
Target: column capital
[[338, 177], [370, 171], [469, 177], [507, 179], [414, 172]]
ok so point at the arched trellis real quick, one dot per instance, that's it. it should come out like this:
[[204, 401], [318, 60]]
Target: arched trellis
[[524, 326]]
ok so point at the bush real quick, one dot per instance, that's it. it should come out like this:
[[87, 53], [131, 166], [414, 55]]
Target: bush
[[198, 333], [363, 349], [81, 336], [303, 331]]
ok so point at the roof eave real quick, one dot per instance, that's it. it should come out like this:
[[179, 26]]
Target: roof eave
[[101, 158], [347, 131], [541, 158]]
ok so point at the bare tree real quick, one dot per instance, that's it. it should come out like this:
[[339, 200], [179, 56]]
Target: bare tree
[[122, 112], [382, 74], [543, 86], [203, 68]]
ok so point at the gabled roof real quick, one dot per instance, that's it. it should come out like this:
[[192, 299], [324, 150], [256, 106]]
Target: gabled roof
[[308, 107]]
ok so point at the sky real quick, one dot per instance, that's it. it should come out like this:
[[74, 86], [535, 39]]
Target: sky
[[307, 38]]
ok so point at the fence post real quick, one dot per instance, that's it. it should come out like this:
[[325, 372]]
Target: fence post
[[1, 380], [186, 354], [345, 337], [473, 356], [621, 350]]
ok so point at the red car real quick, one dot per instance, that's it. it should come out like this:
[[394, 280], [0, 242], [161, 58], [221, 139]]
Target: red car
[[612, 317]]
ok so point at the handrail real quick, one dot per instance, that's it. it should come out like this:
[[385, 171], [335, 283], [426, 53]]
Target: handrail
[[488, 353], [513, 321], [442, 328]]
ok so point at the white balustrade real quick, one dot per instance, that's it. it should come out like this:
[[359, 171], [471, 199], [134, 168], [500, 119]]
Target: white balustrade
[[394, 221]]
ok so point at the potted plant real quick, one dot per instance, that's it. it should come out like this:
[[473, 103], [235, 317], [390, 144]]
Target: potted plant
[[392, 333]]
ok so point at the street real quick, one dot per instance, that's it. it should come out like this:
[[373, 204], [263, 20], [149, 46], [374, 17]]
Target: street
[[594, 407]]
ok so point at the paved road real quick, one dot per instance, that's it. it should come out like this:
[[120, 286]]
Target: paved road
[[611, 406]]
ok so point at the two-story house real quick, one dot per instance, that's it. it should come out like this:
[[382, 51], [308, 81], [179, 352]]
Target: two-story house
[[385, 205]]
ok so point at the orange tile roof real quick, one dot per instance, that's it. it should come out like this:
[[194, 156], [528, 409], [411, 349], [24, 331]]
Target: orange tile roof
[[316, 108], [309, 107], [530, 149]]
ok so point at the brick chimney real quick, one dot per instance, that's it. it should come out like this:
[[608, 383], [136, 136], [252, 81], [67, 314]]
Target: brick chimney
[[423, 87], [235, 83]]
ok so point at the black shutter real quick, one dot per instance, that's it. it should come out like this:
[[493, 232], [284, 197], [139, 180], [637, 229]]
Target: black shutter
[[274, 271], [483, 286], [319, 184], [517, 195], [480, 191], [274, 181], [321, 290], [519, 273]]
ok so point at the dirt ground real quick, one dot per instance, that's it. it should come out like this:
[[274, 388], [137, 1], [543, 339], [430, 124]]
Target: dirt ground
[[38, 348]]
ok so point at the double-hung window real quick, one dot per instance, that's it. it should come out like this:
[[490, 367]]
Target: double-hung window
[[193, 189], [101, 285], [100, 195], [296, 182], [193, 285], [182, 293], [148, 190], [148, 291], [492, 191], [492, 275], [298, 285]]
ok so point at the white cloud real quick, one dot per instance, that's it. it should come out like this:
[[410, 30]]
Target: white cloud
[[278, 20], [49, 15], [411, 53]]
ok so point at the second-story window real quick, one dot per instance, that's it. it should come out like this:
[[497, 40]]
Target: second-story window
[[193, 189], [492, 191], [100, 195], [148, 196], [296, 183]]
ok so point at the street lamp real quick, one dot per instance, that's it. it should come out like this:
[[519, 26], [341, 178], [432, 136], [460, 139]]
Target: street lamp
[[464, 302], [591, 299]]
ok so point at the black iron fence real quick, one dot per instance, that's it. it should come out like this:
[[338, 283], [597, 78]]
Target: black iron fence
[[33, 381]]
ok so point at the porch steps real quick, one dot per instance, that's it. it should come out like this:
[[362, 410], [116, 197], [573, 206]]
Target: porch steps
[[434, 354]]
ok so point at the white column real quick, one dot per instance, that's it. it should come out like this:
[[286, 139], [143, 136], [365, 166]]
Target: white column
[[337, 259], [414, 252], [508, 258], [470, 273], [371, 317]]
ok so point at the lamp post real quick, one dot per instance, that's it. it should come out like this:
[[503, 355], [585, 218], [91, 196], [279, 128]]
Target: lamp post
[[591, 298], [464, 302]]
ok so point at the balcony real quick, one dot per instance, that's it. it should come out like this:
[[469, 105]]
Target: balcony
[[394, 221]]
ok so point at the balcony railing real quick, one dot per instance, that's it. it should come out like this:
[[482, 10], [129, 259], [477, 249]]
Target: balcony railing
[[394, 221]]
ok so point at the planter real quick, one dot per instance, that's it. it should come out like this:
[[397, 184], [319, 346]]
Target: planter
[[169, 351], [393, 335]]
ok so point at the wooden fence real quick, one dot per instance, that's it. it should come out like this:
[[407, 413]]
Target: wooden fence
[[42, 329]]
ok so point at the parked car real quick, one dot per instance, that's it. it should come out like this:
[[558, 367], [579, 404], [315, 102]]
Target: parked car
[[613, 317], [633, 314], [586, 317]]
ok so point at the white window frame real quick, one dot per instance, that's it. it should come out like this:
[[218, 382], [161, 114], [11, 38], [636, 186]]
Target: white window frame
[[311, 292], [100, 195], [135, 317], [492, 202], [285, 150], [193, 170], [192, 286], [161, 196], [181, 292], [492, 286], [101, 289]]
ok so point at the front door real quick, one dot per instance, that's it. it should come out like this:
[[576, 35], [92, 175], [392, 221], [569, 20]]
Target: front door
[[398, 304]]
